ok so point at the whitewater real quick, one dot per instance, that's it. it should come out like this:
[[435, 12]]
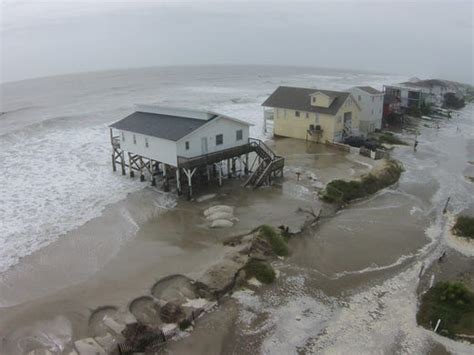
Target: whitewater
[[54, 139]]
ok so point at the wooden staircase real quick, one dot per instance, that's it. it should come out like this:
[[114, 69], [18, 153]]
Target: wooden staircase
[[270, 163]]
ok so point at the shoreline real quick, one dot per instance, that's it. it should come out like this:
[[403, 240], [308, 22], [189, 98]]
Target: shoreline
[[225, 194], [66, 300]]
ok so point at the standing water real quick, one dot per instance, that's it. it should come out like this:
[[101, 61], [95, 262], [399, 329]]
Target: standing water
[[351, 283]]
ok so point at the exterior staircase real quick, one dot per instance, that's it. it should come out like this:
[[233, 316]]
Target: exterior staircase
[[269, 163]]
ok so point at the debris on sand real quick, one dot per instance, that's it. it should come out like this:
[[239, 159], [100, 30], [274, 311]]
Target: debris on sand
[[177, 301]]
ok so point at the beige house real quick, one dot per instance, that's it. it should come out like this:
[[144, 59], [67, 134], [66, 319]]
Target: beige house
[[313, 114]]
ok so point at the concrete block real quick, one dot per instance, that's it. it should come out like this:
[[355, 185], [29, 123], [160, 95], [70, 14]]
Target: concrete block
[[89, 346], [129, 318], [108, 342], [113, 325], [169, 330], [40, 352]]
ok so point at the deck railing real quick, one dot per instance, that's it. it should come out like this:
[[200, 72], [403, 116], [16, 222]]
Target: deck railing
[[210, 158]]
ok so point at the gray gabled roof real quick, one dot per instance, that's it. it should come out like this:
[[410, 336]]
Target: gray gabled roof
[[370, 90], [158, 125], [299, 99]]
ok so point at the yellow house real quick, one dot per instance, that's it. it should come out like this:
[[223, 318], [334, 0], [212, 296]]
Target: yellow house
[[313, 114]]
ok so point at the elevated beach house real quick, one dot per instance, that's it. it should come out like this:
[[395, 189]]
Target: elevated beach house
[[313, 114], [370, 101], [182, 144]]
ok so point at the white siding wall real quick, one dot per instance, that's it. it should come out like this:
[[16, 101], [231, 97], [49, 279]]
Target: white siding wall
[[159, 149], [220, 126], [371, 111]]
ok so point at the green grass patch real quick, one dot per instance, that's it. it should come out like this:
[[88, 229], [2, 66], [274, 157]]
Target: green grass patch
[[341, 191], [390, 138], [262, 271], [276, 240], [451, 302], [464, 227]]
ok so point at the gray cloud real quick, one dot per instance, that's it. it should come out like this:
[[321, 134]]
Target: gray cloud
[[414, 38]]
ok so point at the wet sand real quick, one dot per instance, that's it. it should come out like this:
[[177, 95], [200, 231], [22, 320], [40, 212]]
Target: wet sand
[[118, 256], [351, 284]]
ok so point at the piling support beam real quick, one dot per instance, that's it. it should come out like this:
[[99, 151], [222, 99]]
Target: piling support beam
[[114, 168], [229, 173], [166, 186], [142, 165], [130, 167], [219, 168], [122, 162], [178, 182], [189, 173], [246, 169]]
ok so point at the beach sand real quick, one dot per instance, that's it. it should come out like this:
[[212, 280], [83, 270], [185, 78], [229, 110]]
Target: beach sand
[[118, 256]]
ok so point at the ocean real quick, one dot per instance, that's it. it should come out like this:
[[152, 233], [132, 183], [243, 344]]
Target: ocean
[[54, 139]]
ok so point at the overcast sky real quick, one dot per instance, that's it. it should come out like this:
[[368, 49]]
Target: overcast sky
[[417, 38]]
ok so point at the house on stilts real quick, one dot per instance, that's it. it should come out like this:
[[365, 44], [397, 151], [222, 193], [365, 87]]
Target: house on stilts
[[187, 146]]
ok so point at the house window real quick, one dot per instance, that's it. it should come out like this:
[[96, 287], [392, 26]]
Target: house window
[[297, 113], [186, 145], [238, 135], [123, 137], [314, 99], [146, 142], [307, 115], [219, 139], [134, 139]]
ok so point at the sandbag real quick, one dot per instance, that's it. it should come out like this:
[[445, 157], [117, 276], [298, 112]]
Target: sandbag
[[219, 208], [220, 215], [221, 223]]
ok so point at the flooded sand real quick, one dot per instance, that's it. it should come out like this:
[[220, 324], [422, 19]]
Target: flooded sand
[[96, 266], [352, 282], [334, 292]]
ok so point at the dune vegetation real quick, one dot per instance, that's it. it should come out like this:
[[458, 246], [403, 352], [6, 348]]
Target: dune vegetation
[[341, 191], [453, 304]]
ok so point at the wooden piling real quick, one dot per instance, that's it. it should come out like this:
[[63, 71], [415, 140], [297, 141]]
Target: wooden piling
[[114, 169], [220, 174], [130, 165], [178, 182], [122, 162]]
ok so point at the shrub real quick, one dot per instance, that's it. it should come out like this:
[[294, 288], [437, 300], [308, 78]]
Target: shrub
[[389, 138], [185, 324], [451, 302], [338, 191], [262, 271], [275, 239], [464, 227], [452, 101]]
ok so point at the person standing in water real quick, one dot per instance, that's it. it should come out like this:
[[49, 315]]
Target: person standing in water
[[415, 145]]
